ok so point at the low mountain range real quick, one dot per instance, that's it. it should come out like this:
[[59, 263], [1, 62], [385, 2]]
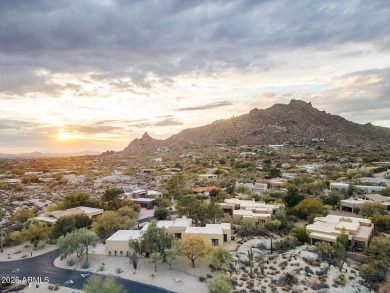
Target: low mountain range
[[297, 122], [47, 155]]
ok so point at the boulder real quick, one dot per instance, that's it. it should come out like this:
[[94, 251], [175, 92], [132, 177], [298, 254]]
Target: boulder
[[308, 254], [324, 265]]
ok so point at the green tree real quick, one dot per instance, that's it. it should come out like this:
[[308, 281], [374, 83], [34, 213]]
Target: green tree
[[341, 247], [78, 241], [380, 249], [101, 284], [368, 209], [170, 256], [155, 259], [64, 224], [110, 199], [194, 247], [230, 187], [274, 173], [301, 235], [192, 207], [219, 285], [162, 202], [77, 199], [87, 238], [243, 189], [157, 239], [221, 196], [36, 232], [82, 221], [293, 196], [333, 198], [138, 245], [127, 212], [379, 254], [221, 256], [309, 206], [381, 222], [176, 185], [161, 213], [379, 259], [14, 238], [214, 211], [109, 222], [374, 272]]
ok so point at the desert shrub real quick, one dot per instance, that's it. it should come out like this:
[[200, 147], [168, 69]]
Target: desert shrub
[[70, 262], [287, 279], [341, 280], [311, 261], [219, 285]]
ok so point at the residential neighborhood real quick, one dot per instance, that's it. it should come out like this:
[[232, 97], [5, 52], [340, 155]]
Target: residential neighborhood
[[237, 211]]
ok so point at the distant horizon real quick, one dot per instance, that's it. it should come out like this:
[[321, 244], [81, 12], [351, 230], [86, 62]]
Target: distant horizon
[[74, 81], [104, 149]]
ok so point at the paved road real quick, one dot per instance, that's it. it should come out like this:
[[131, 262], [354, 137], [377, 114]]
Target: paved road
[[41, 267]]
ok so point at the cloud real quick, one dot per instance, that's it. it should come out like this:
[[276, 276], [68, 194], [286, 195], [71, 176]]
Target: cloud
[[122, 40], [11, 124], [169, 120], [88, 130], [206, 106], [67, 66]]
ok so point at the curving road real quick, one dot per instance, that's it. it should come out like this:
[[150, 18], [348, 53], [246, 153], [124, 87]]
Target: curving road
[[41, 267]]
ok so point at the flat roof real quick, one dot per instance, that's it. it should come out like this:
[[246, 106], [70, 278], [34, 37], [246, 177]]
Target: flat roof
[[364, 232], [321, 236], [154, 192], [339, 184], [125, 235], [182, 222], [353, 201], [165, 224], [377, 197], [46, 219], [139, 190], [222, 225], [249, 213], [209, 229], [337, 219], [354, 226], [142, 199], [90, 210]]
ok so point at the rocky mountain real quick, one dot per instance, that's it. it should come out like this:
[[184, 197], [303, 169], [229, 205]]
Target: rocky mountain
[[297, 122], [144, 144]]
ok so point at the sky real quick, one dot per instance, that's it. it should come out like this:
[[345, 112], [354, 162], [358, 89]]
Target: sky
[[94, 75]]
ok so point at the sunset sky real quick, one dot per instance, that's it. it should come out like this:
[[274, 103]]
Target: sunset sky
[[93, 75]]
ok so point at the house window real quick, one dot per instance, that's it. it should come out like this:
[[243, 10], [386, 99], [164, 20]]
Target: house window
[[178, 235], [215, 242]]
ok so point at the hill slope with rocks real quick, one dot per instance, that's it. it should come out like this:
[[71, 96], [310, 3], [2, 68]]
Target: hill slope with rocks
[[297, 122]]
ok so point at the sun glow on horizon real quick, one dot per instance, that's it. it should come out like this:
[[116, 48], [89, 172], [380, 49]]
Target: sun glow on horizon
[[63, 135]]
